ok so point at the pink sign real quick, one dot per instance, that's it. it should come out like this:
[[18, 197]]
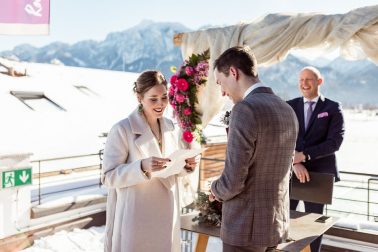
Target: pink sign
[[24, 16]]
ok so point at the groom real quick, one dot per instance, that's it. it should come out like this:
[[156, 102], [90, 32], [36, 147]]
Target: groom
[[254, 185]]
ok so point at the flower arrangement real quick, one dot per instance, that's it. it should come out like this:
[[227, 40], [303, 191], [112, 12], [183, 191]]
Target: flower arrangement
[[226, 118], [209, 212], [183, 94]]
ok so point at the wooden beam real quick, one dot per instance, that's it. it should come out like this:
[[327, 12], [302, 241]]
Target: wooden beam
[[177, 39]]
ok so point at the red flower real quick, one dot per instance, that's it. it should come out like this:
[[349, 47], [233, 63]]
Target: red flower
[[173, 79], [182, 84], [188, 136], [187, 111]]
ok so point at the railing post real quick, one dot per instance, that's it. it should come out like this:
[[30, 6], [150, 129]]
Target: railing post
[[368, 197], [100, 153], [39, 182]]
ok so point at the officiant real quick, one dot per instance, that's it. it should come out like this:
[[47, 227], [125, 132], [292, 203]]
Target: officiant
[[143, 211]]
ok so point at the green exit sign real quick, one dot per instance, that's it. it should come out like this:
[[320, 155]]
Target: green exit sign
[[14, 178]]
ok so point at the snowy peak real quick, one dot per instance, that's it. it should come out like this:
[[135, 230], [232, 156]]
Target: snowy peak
[[149, 45]]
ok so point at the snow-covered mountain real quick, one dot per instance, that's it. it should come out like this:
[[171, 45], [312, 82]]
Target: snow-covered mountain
[[350, 82], [145, 46], [149, 46]]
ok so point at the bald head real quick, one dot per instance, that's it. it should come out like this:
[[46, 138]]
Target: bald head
[[309, 81], [314, 70]]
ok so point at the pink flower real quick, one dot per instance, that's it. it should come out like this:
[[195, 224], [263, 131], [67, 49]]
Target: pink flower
[[189, 70], [182, 84], [173, 106], [173, 79], [180, 98], [187, 111], [187, 136], [171, 90]]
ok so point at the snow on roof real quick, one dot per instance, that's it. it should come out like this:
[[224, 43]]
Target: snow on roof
[[90, 101]]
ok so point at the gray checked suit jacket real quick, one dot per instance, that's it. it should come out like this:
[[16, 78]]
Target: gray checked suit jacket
[[254, 185]]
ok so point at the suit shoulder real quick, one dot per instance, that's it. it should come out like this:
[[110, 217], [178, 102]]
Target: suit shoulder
[[244, 105], [333, 105], [241, 108], [332, 102], [294, 101]]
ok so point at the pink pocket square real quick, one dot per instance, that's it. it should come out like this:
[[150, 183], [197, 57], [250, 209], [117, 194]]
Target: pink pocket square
[[323, 114]]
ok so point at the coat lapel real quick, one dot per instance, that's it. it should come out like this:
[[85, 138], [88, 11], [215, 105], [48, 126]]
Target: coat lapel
[[145, 140], [169, 146], [148, 145], [169, 139]]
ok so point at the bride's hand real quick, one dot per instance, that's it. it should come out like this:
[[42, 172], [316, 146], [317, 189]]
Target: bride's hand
[[191, 163], [152, 164]]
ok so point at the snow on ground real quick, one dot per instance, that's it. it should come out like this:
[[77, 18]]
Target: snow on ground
[[79, 240], [92, 240], [359, 151]]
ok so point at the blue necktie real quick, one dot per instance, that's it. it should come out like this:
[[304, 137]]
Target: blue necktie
[[308, 113]]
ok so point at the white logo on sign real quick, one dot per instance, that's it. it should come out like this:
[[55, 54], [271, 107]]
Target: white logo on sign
[[24, 177], [9, 179], [34, 9]]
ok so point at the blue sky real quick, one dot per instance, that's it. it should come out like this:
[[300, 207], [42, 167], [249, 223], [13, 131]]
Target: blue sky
[[76, 20]]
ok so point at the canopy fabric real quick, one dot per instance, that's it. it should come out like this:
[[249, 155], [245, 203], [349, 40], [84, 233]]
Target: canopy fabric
[[24, 17], [273, 36]]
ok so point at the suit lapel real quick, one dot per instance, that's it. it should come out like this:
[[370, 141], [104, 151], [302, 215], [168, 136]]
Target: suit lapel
[[300, 115]]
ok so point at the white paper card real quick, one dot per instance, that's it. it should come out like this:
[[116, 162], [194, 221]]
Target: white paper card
[[177, 162]]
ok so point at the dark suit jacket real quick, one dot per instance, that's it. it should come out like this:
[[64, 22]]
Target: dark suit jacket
[[323, 136], [254, 185]]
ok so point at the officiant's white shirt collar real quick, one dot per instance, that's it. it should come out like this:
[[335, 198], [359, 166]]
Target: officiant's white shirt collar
[[253, 87], [315, 100]]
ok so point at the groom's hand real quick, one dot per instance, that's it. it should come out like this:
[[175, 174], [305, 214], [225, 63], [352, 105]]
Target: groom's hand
[[212, 197]]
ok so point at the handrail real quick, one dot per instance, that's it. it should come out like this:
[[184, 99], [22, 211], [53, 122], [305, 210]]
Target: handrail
[[370, 178], [360, 174], [370, 181], [40, 161], [66, 157]]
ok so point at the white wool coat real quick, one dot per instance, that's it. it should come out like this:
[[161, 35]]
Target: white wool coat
[[142, 214]]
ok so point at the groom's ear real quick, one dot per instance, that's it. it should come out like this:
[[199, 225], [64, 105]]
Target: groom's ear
[[234, 72]]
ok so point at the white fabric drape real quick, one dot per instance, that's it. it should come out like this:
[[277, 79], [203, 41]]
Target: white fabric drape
[[271, 38]]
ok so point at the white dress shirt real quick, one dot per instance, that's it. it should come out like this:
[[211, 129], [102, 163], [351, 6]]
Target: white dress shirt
[[253, 87]]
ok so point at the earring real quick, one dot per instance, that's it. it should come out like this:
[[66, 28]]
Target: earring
[[140, 107]]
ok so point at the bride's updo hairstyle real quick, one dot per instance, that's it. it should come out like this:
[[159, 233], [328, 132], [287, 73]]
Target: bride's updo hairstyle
[[147, 80]]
